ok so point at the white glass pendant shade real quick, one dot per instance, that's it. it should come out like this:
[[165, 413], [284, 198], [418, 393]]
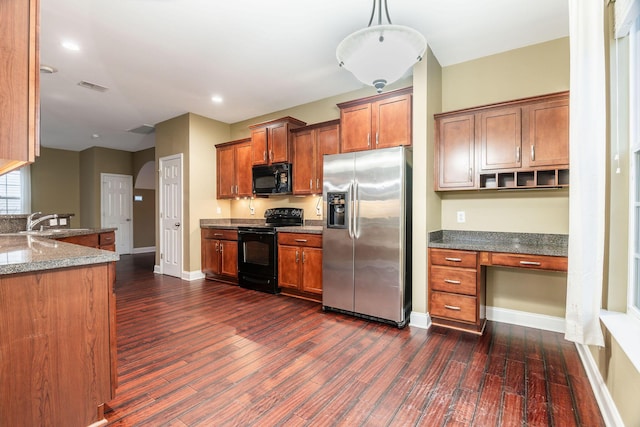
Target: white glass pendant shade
[[381, 54]]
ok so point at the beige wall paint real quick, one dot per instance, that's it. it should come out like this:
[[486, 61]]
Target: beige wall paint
[[55, 183]]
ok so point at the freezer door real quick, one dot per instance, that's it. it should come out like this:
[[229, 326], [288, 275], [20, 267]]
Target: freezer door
[[379, 254], [337, 244]]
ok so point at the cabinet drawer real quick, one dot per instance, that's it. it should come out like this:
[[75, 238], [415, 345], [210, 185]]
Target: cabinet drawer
[[536, 262], [107, 238], [455, 280], [219, 234], [300, 239], [90, 240], [455, 307], [453, 258]]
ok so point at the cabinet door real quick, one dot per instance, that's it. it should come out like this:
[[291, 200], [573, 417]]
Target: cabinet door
[[226, 172], [19, 83], [392, 122], [288, 270], [355, 128], [244, 186], [229, 258], [209, 258], [278, 143], [548, 133], [501, 138], [304, 162], [328, 142], [312, 270], [454, 154], [259, 146]]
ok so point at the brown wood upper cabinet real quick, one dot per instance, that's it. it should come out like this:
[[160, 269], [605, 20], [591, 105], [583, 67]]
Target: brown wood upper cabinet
[[379, 121], [310, 143], [233, 171], [271, 141], [19, 83], [516, 144]]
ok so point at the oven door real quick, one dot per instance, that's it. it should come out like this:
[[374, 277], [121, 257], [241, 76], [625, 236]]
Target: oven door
[[257, 252]]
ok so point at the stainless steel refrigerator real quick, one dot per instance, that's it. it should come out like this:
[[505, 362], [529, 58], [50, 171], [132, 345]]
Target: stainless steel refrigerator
[[366, 240]]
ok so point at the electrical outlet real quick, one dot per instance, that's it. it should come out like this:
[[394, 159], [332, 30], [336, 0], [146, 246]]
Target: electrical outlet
[[218, 210], [461, 216]]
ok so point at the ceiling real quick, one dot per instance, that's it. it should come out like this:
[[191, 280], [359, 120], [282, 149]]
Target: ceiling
[[163, 58]]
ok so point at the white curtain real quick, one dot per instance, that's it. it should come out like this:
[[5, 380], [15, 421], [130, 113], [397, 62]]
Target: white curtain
[[587, 142]]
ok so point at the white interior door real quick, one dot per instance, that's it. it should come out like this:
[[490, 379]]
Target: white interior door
[[171, 215], [116, 209]]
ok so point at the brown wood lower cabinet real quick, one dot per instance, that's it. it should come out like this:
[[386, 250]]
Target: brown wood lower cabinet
[[58, 355], [300, 265], [105, 241], [219, 254]]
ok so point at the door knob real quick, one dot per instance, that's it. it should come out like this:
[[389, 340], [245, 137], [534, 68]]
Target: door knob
[[177, 224]]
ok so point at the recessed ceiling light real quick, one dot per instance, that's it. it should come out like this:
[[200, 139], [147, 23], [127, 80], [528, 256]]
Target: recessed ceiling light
[[70, 45], [216, 99]]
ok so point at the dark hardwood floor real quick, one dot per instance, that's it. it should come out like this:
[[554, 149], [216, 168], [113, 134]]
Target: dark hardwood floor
[[204, 353]]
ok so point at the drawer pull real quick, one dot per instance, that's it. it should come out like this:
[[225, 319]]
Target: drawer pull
[[218, 234], [301, 240], [453, 259], [452, 307], [530, 263], [452, 282]]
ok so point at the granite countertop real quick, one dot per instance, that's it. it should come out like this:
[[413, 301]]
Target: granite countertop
[[21, 253], [310, 227], [488, 241]]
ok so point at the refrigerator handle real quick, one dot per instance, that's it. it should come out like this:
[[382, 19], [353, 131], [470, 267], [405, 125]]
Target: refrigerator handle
[[356, 210], [350, 211]]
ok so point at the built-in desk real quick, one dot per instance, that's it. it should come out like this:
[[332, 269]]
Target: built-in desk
[[457, 269]]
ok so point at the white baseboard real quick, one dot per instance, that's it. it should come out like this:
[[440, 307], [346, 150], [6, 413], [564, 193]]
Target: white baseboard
[[603, 397], [192, 275], [523, 318], [420, 320], [144, 250], [156, 269]]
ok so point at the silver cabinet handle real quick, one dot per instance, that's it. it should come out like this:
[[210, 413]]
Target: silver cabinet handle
[[264, 156], [301, 240], [368, 140], [303, 257], [452, 282], [530, 263], [217, 249], [533, 153], [221, 247], [310, 184], [377, 139], [470, 174], [518, 153], [453, 259], [297, 256], [218, 234], [270, 154], [317, 183], [452, 307]]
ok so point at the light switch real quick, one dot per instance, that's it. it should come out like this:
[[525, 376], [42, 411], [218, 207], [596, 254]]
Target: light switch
[[461, 216]]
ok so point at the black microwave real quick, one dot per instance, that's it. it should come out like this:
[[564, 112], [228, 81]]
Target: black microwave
[[272, 179]]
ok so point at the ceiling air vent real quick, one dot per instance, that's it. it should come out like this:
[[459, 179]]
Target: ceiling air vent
[[143, 130], [92, 86]]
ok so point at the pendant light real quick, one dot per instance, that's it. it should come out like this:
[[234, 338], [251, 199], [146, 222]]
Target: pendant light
[[380, 54]]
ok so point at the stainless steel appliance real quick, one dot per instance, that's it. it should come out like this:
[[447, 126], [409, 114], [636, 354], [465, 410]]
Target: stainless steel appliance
[[258, 249], [272, 179], [366, 240]]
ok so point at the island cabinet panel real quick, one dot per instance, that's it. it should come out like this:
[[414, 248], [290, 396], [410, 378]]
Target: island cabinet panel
[[105, 241], [271, 141], [219, 254], [19, 83], [300, 265], [379, 121], [233, 169], [310, 144], [58, 356]]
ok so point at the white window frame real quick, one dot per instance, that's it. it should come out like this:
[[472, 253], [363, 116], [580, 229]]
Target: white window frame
[[633, 309], [25, 190]]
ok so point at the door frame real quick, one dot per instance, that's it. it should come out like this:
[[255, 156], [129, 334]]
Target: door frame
[[129, 178], [161, 250]]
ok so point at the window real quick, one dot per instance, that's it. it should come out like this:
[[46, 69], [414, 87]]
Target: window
[[15, 192], [634, 139]]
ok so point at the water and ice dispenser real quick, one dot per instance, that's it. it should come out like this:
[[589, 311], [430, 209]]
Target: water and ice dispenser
[[337, 210]]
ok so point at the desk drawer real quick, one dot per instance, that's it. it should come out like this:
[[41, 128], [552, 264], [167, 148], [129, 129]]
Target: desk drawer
[[456, 280], [535, 262], [455, 307], [453, 258]]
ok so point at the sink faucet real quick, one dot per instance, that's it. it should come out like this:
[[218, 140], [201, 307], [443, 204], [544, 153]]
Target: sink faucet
[[33, 222]]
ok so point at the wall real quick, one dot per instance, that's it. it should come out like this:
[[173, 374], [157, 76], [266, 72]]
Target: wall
[[144, 219], [529, 71], [55, 183]]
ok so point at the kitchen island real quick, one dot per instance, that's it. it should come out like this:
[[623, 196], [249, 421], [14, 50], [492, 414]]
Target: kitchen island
[[57, 329]]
